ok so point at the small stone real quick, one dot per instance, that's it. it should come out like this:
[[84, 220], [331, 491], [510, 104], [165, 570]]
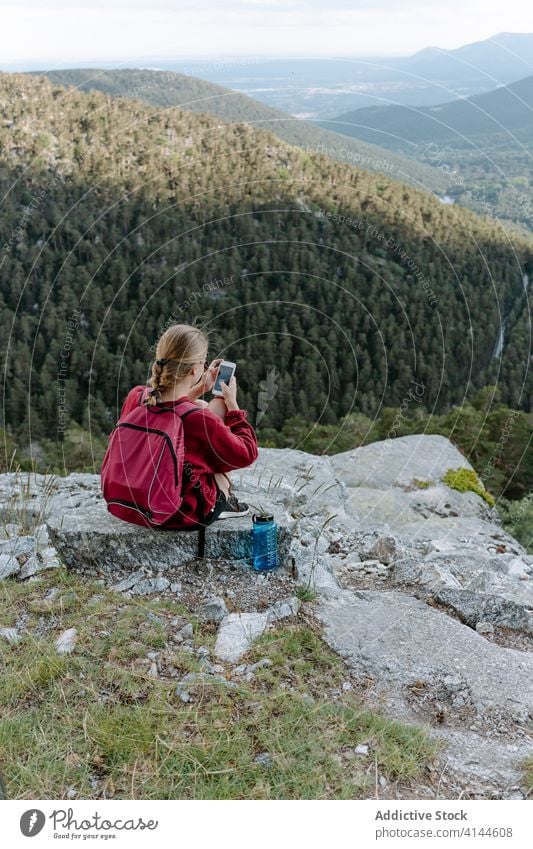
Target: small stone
[[370, 565], [11, 635], [484, 628], [260, 664], [283, 608], [193, 679], [187, 632], [361, 749], [384, 550], [30, 568], [214, 609], [9, 565], [354, 566], [264, 759], [66, 641], [153, 671], [41, 536], [129, 582], [175, 587], [203, 651], [153, 617], [346, 686], [48, 553], [383, 781], [152, 655], [150, 585], [71, 793]]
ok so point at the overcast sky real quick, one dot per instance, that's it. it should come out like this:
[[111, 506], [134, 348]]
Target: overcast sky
[[50, 33]]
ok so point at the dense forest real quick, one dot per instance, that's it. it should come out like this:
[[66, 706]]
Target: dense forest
[[338, 289]]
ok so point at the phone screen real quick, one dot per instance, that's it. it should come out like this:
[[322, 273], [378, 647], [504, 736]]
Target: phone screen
[[225, 373]]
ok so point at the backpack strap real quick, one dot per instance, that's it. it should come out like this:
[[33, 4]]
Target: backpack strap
[[200, 553], [192, 409]]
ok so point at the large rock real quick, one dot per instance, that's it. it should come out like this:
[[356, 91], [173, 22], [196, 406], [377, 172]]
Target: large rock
[[88, 538], [396, 462], [399, 640]]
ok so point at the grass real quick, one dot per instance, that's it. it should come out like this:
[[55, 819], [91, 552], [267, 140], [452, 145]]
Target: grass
[[421, 484], [98, 724], [528, 774]]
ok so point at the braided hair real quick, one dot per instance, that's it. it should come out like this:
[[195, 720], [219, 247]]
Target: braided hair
[[178, 349]]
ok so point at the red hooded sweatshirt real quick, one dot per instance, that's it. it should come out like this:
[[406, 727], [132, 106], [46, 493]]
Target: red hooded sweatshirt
[[211, 445]]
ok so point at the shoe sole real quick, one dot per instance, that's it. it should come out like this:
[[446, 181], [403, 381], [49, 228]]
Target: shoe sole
[[231, 514]]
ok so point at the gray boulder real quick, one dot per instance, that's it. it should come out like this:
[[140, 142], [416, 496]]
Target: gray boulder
[[474, 608]]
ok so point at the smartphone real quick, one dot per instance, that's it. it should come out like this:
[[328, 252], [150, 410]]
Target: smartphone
[[226, 370]]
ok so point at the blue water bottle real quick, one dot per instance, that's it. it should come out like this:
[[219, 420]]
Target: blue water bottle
[[265, 543]]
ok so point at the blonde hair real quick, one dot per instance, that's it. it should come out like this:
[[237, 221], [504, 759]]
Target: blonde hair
[[179, 348]]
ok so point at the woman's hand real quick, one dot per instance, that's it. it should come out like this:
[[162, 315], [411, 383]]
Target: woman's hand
[[207, 381], [229, 393]]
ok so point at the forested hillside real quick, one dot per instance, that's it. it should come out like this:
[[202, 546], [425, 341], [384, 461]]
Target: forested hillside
[[168, 89], [485, 119], [118, 219], [482, 145]]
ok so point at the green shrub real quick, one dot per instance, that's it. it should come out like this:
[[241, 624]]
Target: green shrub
[[466, 480], [517, 519]]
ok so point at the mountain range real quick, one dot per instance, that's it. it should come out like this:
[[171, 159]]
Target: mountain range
[[503, 115], [320, 88]]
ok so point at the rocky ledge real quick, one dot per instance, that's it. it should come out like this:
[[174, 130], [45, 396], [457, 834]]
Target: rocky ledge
[[417, 585]]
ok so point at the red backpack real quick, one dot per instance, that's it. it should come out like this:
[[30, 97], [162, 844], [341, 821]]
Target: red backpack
[[143, 467]]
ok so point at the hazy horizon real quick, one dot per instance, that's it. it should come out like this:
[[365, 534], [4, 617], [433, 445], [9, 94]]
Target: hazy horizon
[[138, 32]]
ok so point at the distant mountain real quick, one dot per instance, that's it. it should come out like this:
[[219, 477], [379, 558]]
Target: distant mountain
[[168, 89], [503, 58], [504, 113], [323, 88]]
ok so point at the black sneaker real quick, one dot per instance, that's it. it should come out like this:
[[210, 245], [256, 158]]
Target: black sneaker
[[233, 508]]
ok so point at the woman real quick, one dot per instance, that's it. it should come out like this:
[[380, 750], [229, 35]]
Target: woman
[[218, 436]]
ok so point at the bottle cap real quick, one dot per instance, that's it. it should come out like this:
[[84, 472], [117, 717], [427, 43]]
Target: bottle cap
[[258, 519]]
